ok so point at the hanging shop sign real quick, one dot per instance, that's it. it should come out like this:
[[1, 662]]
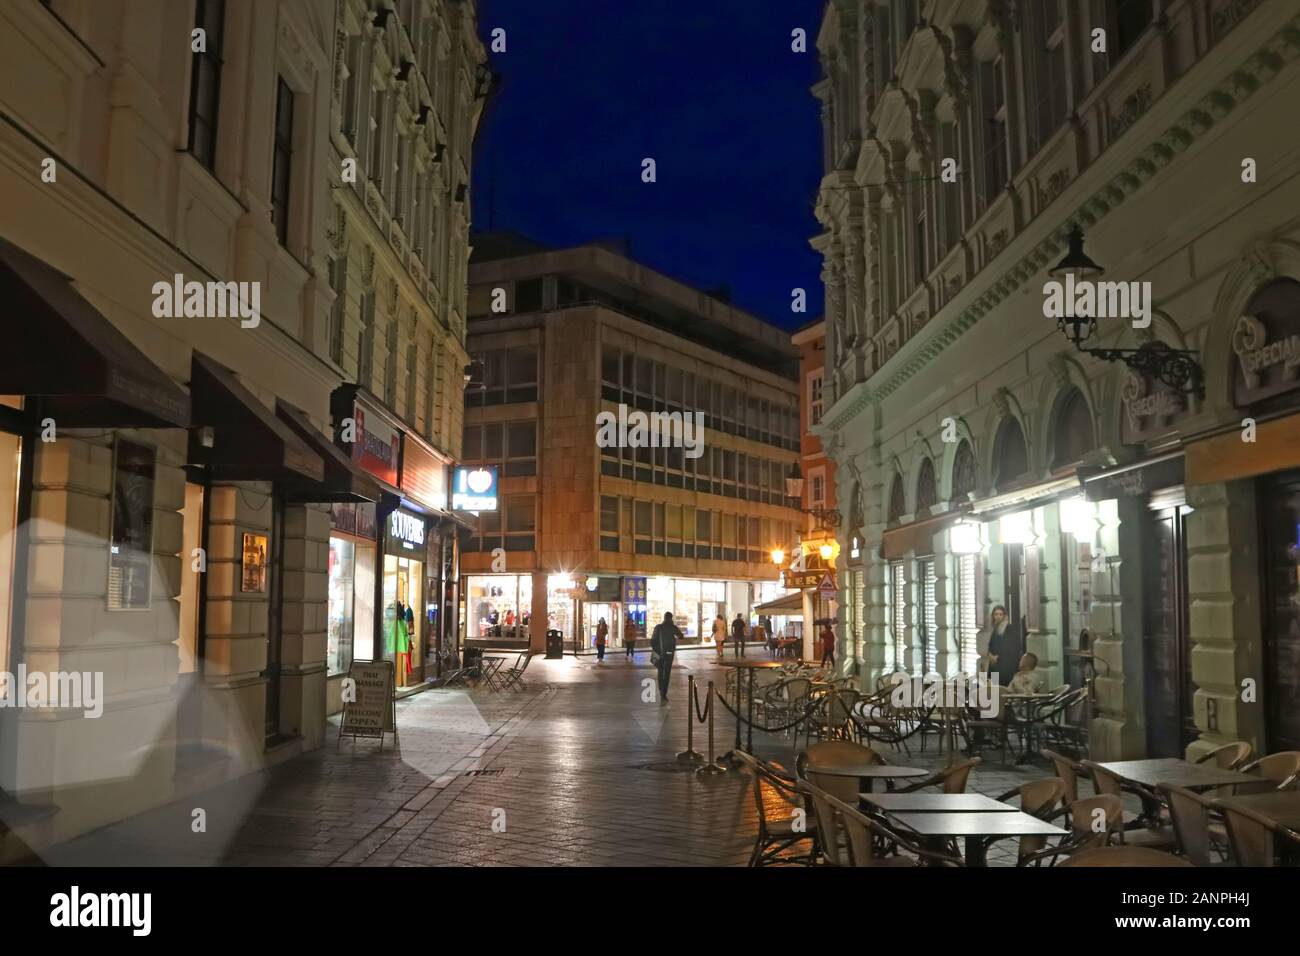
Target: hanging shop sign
[[406, 529], [424, 474], [376, 443], [634, 590], [474, 488], [791, 580], [1268, 358], [1149, 408]]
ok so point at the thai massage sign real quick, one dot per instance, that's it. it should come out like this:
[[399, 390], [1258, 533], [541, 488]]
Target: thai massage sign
[[1266, 342]]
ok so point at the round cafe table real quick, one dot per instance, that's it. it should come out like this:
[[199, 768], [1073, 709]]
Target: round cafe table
[[870, 772], [750, 665]]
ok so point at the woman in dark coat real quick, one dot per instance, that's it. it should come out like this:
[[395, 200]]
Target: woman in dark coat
[[1006, 644]]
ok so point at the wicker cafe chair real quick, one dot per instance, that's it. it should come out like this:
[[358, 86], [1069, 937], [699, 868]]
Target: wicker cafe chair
[[797, 694], [1196, 824], [1279, 772], [833, 717], [1124, 856], [778, 834], [1068, 771], [1229, 756], [872, 842], [1061, 724], [1084, 834], [952, 779], [1147, 830], [877, 718], [1039, 798], [1257, 840]]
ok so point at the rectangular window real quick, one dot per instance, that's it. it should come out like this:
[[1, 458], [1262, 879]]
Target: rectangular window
[[898, 614], [920, 258], [949, 193], [375, 163], [366, 342], [282, 164], [993, 103], [967, 612], [390, 366], [205, 81], [929, 612], [1046, 95], [528, 295], [130, 556], [815, 397], [608, 515], [430, 387], [521, 449], [354, 91], [338, 276]]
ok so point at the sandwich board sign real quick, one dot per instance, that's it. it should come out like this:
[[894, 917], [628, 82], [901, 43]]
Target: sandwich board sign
[[372, 709]]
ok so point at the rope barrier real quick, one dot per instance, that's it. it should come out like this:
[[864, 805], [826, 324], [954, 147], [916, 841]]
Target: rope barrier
[[701, 715]]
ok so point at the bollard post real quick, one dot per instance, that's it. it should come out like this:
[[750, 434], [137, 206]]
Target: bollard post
[[690, 754], [712, 767]]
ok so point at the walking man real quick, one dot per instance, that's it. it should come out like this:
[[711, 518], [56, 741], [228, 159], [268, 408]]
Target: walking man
[[663, 645], [738, 634]]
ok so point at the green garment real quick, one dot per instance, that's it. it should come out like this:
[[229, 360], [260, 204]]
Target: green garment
[[397, 639]]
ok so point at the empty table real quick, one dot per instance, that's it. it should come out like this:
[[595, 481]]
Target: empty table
[[1283, 808], [936, 803], [1179, 773], [935, 828], [870, 772]]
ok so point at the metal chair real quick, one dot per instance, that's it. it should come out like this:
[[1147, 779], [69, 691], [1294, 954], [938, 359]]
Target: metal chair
[[775, 835], [1084, 816], [872, 842], [1195, 820], [1279, 772]]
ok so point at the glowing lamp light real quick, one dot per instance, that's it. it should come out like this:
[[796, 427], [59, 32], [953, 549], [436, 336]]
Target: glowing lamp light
[[592, 583], [778, 556], [964, 538], [1017, 528], [1079, 518], [826, 551]]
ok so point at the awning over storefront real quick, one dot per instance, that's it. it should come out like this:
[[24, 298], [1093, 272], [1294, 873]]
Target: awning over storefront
[[917, 536], [343, 480], [59, 346], [1025, 497], [249, 442], [790, 605], [1135, 480], [1226, 457]]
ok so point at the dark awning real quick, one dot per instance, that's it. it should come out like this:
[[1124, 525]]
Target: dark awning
[[60, 347], [344, 481], [250, 443]]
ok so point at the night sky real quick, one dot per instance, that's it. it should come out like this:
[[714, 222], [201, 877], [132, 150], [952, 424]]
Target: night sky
[[708, 88]]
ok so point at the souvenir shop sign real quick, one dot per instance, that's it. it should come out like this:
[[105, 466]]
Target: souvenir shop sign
[[634, 590], [369, 704], [406, 529]]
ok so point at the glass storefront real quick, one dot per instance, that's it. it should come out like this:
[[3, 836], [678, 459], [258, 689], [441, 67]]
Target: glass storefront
[[403, 627], [560, 604], [498, 606], [686, 608], [350, 612]]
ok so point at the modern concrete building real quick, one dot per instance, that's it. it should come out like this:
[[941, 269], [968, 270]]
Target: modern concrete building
[[994, 460], [170, 470], [591, 528]]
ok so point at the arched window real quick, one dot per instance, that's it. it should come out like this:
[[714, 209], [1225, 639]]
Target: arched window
[[897, 504], [1073, 436], [963, 473], [926, 492], [856, 517], [1009, 452]]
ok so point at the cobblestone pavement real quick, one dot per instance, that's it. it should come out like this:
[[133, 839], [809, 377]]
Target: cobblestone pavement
[[579, 769]]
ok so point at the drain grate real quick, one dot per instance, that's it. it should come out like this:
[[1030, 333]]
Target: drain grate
[[484, 773]]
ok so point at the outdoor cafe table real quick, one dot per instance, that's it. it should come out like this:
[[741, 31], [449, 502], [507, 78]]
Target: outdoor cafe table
[[1283, 808], [751, 666], [870, 772], [1176, 772], [936, 803], [935, 828]]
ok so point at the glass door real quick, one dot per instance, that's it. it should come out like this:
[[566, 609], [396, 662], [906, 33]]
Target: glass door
[[1281, 575], [1166, 649]]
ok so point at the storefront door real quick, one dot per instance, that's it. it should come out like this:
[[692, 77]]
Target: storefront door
[[1166, 647], [593, 612], [1280, 511]]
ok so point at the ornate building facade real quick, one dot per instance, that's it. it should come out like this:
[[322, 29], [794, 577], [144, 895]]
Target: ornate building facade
[[993, 462]]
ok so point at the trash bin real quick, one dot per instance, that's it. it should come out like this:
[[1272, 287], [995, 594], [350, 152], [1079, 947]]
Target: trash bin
[[554, 645]]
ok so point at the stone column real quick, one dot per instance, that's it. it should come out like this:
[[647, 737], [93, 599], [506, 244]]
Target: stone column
[[303, 622], [537, 623], [1223, 593]]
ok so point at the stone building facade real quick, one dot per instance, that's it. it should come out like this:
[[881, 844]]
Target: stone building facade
[[992, 461], [167, 521]]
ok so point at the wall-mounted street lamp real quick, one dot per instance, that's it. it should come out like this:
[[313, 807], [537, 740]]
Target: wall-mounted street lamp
[[778, 557], [1178, 369], [827, 519]]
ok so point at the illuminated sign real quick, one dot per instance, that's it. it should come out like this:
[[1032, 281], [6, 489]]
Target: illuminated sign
[[474, 488], [406, 528]]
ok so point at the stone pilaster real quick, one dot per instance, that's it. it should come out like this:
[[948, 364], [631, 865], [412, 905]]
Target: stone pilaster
[[303, 622]]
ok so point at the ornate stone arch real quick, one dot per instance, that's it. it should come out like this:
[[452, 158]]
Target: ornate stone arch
[[895, 492], [1065, 378], [1004, 406], [948, 455], [1260, 263]]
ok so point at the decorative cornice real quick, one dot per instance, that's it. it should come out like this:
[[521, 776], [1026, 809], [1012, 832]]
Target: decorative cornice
[[1262, 66]]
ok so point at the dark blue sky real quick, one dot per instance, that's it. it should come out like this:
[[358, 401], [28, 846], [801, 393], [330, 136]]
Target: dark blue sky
[[708, 88]]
